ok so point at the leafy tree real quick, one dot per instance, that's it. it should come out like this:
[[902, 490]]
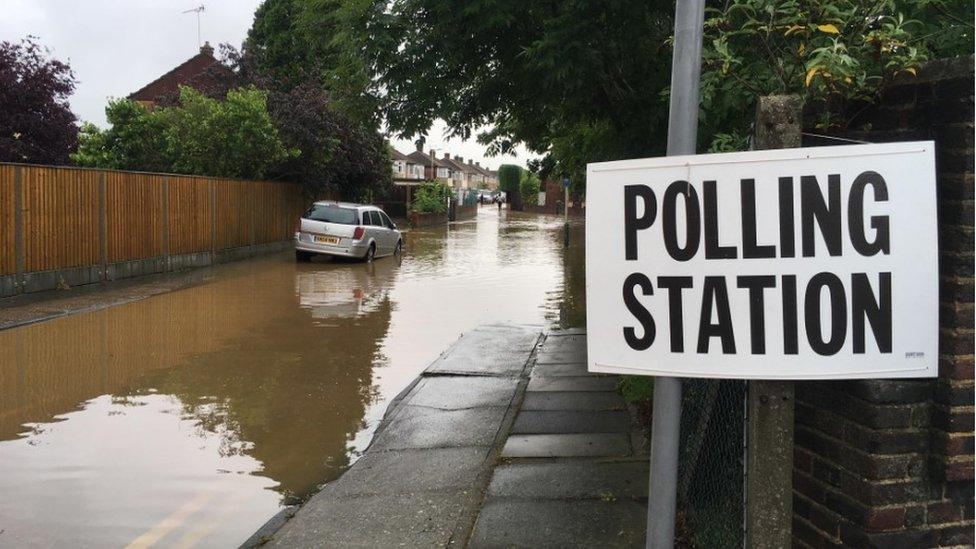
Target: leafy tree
[[202, 136], [509, 179], [578, 80], [135, 140], [837, 54], [319, 42], [36, 123], [529, 186], [588, 81], [230, 138], [337, 155]]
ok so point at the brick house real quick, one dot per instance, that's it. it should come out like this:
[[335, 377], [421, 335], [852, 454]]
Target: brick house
[[202, 71]]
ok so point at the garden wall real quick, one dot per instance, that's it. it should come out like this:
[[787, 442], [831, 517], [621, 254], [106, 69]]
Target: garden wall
[[889, 463], [427, 219]]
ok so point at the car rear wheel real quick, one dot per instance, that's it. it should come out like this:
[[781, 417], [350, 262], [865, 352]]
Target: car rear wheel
[[370, 253], [399, 248], [302, 257]]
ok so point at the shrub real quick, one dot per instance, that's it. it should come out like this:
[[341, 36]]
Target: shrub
[[431, 198], [509, 177], [529, 187]]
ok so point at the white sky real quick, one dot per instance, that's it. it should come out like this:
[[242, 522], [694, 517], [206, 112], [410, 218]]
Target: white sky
[[115, 47]]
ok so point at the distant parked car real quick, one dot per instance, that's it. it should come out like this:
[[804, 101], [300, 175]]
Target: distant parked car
[[346, 230]]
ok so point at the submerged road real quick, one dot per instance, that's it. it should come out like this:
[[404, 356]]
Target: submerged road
[[192, 416]]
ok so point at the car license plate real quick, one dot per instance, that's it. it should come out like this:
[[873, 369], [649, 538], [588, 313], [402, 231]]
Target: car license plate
[[322, 239]]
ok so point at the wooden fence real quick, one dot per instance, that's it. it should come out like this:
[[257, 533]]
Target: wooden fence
[[61, 225]]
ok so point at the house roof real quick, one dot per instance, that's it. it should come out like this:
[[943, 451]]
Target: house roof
[[185, 73], [453, 164], [424, 159], [397, 155]]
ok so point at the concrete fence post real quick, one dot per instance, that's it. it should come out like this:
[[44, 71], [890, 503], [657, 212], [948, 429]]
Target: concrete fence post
[[213, 221], [165, 223], [103, 224], [769, 432], [19, 234]]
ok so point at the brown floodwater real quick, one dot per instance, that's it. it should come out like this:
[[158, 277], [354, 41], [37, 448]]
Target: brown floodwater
[[190, 418]]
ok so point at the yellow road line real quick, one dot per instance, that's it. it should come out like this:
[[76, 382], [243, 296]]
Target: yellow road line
[[170, 523]]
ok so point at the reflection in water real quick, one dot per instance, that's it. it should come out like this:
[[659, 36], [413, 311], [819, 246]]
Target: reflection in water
[[193, 416]]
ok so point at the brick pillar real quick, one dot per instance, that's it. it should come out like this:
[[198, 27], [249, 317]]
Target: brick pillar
[[889, 463]]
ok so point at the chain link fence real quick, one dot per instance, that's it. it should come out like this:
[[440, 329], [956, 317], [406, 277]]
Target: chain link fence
[[711, 505]]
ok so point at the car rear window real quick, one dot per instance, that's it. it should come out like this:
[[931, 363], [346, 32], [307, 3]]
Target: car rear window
[[332, 214]]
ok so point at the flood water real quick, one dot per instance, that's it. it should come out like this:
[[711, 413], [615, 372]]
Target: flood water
[[190, 418]]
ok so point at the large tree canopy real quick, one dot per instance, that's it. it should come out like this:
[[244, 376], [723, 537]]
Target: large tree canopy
[[588, 81], [579, 79], [36, 124], [318, 42]]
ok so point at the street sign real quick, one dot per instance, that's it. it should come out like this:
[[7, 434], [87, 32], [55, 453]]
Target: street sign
[[811, 263]]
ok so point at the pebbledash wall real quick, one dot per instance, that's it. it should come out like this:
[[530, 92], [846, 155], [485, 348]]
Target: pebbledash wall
[[889, 463], [63, 226]]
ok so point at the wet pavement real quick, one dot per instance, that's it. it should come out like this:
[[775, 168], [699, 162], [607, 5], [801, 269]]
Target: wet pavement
[[191, 417]]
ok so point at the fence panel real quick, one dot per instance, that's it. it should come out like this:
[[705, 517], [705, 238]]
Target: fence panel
[[8, 260], [78, 217], [190, 215], [61, 208], [269, 212], [232, 213], [134, 215]]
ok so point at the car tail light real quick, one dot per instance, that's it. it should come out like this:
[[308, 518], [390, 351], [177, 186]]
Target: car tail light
[[358, 233]]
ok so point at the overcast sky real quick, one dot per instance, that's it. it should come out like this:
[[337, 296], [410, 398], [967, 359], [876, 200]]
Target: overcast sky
[[116, 47]]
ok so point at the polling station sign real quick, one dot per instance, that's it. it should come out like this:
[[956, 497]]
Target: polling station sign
[[811, 263]]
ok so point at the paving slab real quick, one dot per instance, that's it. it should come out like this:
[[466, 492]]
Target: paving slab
[[566, 383], [568, 332], [565, 344], [392, 520], [552, 523], [571, 480], [573, 401], [458, 392], [411, 471], [560, 357], [423, 427], [488, 350], [564, 421], [571, 369], [567, 445]]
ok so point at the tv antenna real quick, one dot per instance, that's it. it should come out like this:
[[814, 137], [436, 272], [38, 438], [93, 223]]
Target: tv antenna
[[198, 10]]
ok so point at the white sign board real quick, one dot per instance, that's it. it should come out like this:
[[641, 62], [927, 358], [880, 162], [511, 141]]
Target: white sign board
[[813, 263]]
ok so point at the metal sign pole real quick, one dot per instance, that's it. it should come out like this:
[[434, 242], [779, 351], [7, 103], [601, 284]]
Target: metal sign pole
[[682, 137], [565, 211]]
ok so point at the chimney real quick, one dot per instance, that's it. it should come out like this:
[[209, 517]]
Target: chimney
[[477, 164], [207, 49], [432, 155], [458, 158], [447, 155], [420, 144]]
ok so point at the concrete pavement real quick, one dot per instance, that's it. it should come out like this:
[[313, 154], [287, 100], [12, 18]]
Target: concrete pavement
[[504, 441]]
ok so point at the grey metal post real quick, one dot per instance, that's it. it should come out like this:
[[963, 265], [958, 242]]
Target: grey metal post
[[565, 215], [682, 137]]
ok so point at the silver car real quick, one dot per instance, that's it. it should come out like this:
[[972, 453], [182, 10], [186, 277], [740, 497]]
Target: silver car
[[346, 230]]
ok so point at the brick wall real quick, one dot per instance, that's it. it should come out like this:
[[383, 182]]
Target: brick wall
[[889, 463]]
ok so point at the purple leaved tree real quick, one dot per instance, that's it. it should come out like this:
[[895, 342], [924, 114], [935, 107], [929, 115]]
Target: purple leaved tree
[[36, 124]]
